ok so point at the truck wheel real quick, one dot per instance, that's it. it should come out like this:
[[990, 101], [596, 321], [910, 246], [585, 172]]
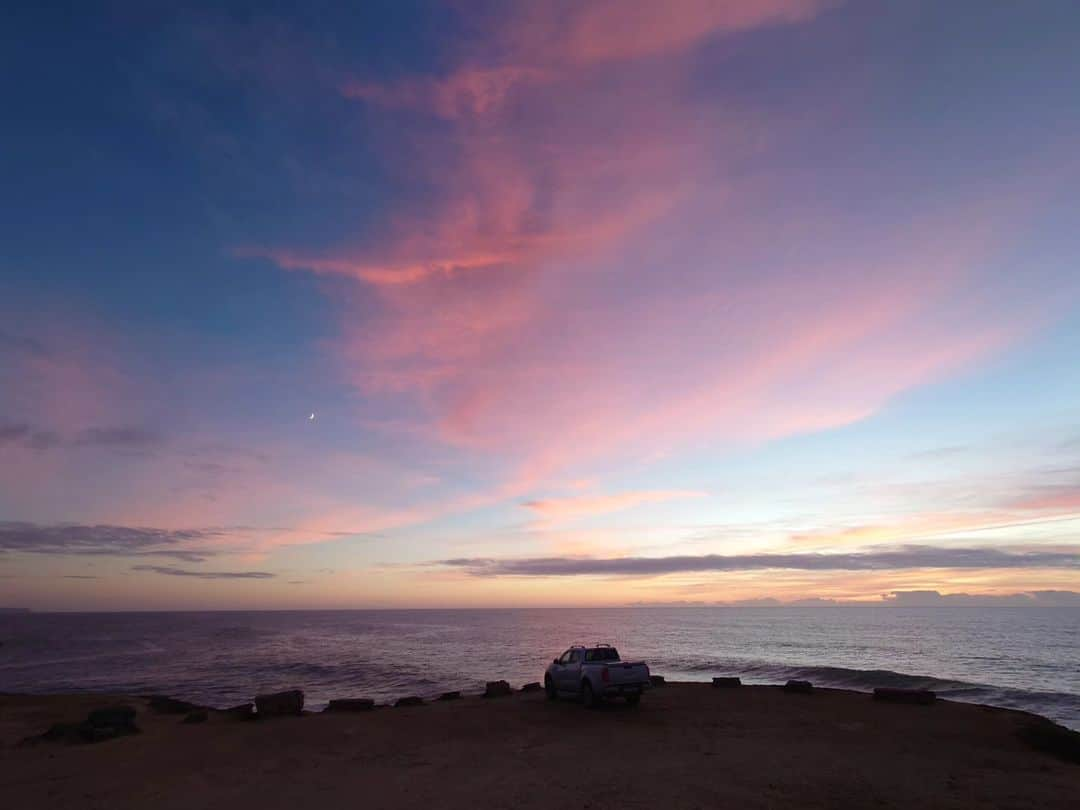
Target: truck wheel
[[549, 687], [588, 697], [633, 700]]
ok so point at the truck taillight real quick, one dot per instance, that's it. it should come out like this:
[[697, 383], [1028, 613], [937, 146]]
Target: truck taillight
[[605, 676]]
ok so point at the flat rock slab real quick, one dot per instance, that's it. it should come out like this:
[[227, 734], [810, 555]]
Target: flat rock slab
[[101, 724], [280, 703], [657, 680], [117, 716], [532, 687], [921, 697], [799, 687], [497, 689], [726, 683], [350, 705], [449, 696], [68, 733]]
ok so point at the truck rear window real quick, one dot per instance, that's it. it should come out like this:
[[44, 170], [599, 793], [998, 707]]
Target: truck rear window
[[602, 654]]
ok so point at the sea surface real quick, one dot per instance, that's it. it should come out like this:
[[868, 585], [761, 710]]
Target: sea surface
[[1025, 658]]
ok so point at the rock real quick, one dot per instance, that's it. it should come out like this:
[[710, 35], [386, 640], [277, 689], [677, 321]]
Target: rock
[[197, 716], [245, 711], [922, 697], [799, 687], [58, 732], [657, 680], [94, 734], [350, 705], [532, 687], [109, 722], [101, 724], [1046, 736], [163, 704], [726, 682], [450, 696], [497, 689], [279, 704], [119, 716], [412, 700]]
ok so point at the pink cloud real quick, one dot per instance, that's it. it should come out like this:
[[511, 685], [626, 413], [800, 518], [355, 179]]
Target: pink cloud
[[586, 505], [553, 42], [390, 272], [1051, 499], [540, 363], [609, 30], [66, 387], [464, 93], [594, 281], [74, 381]]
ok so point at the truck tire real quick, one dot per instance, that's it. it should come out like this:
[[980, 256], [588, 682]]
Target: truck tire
[[549, 688], [588, 697]]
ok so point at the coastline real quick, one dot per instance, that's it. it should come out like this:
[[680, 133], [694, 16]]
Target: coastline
[[686, 745], [220, 659]]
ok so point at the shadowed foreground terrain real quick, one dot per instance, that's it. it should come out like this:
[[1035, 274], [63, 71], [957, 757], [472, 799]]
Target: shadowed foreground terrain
[[686, 745]]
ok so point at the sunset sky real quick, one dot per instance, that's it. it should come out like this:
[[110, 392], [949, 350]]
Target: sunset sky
[[593, 302]]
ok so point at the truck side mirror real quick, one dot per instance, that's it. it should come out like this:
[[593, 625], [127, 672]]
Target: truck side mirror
[[555, 660]]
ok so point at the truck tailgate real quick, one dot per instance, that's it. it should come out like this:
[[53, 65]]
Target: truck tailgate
[[622, 672]]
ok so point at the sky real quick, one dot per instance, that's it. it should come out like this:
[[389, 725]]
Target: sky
[[494, 304]]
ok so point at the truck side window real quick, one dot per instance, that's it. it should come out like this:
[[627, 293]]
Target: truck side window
[[575, 656], [564, 659]]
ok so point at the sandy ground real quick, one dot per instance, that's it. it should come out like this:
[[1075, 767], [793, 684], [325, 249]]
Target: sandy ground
[[686, 745]]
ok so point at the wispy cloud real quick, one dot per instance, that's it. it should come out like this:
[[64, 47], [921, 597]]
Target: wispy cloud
[[516, 302], [22, 344], [186, 545], [613, 31], [116, 438], [13, 433], [27, 436], [1024, 599], [548, 42], [934, 453], [884, 559], [585, 505], [1053, 498], [925, 598], [105, 540], [120, 437], [182, 572]]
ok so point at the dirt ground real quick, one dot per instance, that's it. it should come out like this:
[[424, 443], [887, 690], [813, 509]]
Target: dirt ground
[[685, 745]]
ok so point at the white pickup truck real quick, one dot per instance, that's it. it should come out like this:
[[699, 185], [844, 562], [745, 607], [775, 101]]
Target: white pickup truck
[[595, 673]]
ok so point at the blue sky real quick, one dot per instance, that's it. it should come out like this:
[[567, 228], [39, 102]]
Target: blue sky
[[568, 281]]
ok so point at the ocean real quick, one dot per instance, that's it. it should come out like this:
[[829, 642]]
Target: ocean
[[1023, 658]]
